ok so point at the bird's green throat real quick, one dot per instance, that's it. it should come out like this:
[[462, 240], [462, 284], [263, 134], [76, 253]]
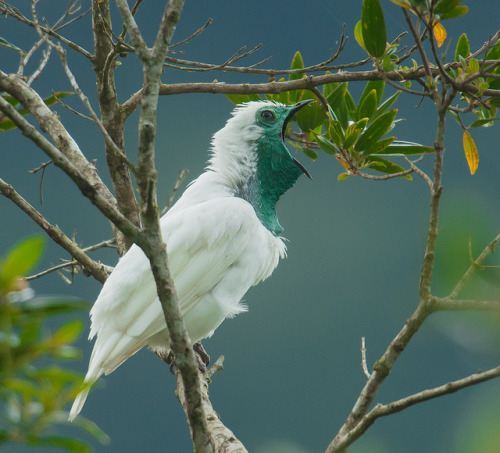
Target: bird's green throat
[[276, 173]]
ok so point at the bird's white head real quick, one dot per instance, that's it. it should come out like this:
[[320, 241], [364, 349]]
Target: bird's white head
[[250, 156]]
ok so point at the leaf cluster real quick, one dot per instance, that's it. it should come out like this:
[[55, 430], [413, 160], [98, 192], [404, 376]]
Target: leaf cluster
[[34, 389]]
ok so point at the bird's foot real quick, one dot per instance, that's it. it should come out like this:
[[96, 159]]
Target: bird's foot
[[202, 357]]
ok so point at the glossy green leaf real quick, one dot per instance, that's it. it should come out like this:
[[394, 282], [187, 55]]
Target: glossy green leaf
[[337, 95], [310, 116], [327, 146], [367, 107], [241, 98], [458, 11], [379, 146], [406, 149], [386, 105], [377, 85], [483, 121], [463, 48], [373, 28], [350, 106], [494, 52], [297, 63], [328, 88], [21, 259], [343, 176], [375, 131], [311, 153], [358, 35], [336, 131], [443, 6], [386, 166]]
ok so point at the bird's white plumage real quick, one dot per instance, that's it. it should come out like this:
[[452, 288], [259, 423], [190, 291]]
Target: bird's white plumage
[[217, 249]]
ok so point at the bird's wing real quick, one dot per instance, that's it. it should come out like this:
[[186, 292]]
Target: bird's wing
[[214, 248]]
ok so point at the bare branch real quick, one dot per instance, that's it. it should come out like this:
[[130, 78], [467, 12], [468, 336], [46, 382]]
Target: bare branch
[[94, 269], [14, 12], [381, 410], [189, 38], [109, 243], [96, 194], [475, 265], [448, 304]]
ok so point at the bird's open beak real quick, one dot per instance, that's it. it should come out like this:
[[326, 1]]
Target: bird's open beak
[[292, 112]]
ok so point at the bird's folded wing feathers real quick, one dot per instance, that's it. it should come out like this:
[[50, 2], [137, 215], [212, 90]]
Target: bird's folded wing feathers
[[205, 242]]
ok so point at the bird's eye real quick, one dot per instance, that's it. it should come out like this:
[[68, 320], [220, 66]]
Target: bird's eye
[[268, 115]]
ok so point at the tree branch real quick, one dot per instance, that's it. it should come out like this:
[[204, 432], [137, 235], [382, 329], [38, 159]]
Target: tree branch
[[95, 269], [381, 410], [475, 265], [151, 241], [95, 193]]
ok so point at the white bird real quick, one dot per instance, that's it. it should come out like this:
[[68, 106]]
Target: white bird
[[222, 236]]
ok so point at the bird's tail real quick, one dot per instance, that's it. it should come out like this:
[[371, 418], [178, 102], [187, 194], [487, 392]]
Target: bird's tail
[[80, 399]]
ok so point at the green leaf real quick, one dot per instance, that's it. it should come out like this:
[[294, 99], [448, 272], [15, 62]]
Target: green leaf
[[358, 35], [67, 334], [312, 115], [380, 146], [297, 63], [455, 12], [326, 145], [375, 131], [313, 155], [377, 85], [463, 48], [343, 176], [328, 88], [406, 149], [386, 166], [373, 28], [241, 98], [92, 429], [368, 106], [443, 6], [494, 52], [20, 260], [483, 121], [386, 105], [335, 98], [5, 43]]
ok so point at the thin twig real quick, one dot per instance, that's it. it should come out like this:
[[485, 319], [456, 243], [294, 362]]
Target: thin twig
[[363, 358], [180, 177], [95, 269], [189, 38], [109, 243]]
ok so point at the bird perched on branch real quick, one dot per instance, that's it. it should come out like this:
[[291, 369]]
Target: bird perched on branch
[[222, 236]]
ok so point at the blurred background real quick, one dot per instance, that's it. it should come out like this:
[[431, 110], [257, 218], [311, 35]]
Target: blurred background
[[292, 363]]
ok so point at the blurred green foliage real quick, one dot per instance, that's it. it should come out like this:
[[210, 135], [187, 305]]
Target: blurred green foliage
[[34, 388]]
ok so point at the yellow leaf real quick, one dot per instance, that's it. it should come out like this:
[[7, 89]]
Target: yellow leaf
[[470, 152], [439, 33]]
